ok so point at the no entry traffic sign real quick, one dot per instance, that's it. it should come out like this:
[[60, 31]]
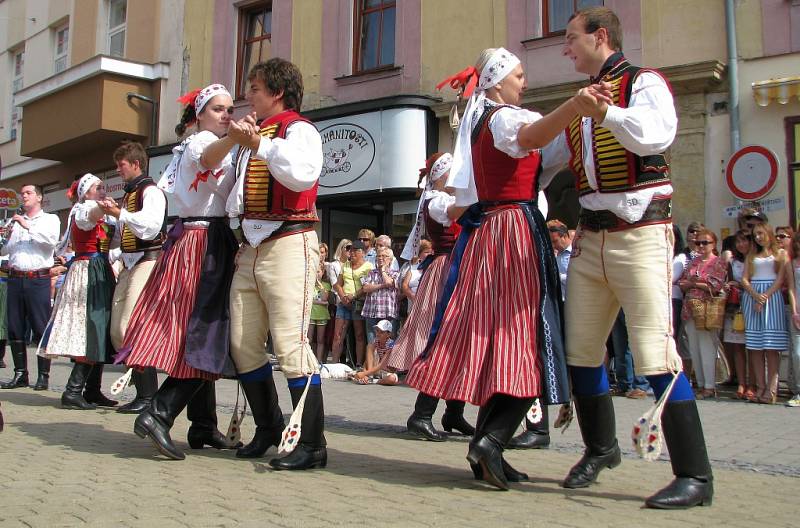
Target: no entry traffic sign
[[751, 172]]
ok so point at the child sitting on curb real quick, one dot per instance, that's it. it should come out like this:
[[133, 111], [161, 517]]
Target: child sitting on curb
[[378, 353]]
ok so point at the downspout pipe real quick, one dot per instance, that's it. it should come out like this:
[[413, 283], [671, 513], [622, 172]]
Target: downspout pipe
[[733, 74]]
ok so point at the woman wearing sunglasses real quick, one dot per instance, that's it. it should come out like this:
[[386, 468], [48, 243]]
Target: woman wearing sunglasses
[[702, 279]]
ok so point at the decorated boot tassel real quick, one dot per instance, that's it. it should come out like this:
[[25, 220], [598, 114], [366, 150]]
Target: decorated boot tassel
[[119, 385], [234, 434], [534, 414], [291, 435], [564, 418], [647, 435]]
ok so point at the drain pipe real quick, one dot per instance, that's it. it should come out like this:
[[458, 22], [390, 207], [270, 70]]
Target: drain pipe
[[733, 74]]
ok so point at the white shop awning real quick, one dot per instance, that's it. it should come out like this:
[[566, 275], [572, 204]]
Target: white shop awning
[[781, 90]]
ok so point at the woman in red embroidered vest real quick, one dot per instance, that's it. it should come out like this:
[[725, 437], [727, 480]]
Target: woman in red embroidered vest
[[498, 324], [180, 323], [82, 310]]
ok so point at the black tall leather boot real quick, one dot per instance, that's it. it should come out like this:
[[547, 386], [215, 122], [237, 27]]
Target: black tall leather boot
[[453, 418], [202, 412], [168, 402], [497, 425], [420, 423], [598, 430], [92, 393], [694, 482], [72, 397], [19, 354], [263, 400], [310, 451], [535, 436], [146, 383], [43, 374]]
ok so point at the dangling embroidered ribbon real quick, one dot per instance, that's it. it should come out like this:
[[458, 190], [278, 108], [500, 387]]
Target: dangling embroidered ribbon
[[119, 385], [291, 434], [535, 413], [466, 80], [647, 435], [202, 176], [234, 433]]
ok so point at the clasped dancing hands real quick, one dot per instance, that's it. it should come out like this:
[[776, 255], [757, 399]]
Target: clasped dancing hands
[[593, 100]]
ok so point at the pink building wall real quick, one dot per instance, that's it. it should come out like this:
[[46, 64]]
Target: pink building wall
[[780, 26]]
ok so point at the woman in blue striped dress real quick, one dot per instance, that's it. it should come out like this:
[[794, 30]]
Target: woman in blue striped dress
[[765, 272]]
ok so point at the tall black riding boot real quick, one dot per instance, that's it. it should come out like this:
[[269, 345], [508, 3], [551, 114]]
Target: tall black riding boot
[[168, 402], [535, 436], [694, 483], [420, 423], [92, 392], [310, 451], [497, 426], [19, 354], [43, 374], [146, 383], [598, 430], [453, 418], [2, 353], [72, 397], [486, 410], [263, 400], [202, 412]]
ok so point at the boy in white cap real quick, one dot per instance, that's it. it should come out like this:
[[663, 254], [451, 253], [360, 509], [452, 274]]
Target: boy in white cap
[[379, 350]]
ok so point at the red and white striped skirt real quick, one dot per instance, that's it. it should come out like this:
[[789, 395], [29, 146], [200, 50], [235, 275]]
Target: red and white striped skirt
[[414, 335], [487, 342], [156, 333]]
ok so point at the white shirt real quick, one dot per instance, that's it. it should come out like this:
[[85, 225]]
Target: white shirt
[[295, 161], [437, 207], [145, 224], [679, 264], [32, 249], [646, 127], [189, 194]]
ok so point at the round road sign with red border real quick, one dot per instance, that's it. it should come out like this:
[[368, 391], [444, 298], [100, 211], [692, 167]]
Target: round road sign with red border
[[752, 172]]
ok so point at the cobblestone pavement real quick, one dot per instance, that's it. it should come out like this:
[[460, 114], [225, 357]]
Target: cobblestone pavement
[[68, 468]]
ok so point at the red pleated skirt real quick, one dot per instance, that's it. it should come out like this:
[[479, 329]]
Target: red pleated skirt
[[414, 335], [487, 343], [156, 333]]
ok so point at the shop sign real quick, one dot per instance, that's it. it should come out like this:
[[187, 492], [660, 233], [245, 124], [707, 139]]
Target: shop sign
[[765, 206], [348, 153], [8, 200]]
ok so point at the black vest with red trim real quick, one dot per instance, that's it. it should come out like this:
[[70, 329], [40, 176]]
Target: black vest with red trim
[[265, 198], [498, 176], [616, 169], [133, 201], [443, 239]]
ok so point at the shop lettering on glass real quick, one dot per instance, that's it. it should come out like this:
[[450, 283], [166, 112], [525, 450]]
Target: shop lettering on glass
[[348, 151]]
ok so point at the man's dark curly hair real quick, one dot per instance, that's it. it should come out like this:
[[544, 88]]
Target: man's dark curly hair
[[280, 75]]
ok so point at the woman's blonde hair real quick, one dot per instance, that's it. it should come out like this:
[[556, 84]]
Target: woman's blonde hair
[[483, 58], [771, 247], [343, 243]]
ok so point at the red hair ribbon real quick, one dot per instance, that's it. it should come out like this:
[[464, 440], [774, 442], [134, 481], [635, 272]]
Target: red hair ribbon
[[73, 190], [466, 79], [202, 176], [189, 97]]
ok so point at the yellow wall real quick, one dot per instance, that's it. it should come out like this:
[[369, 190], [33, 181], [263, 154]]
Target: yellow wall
[[141, 33], [307, 47], [682, 31], [198, 37], [454, 35], [749, 39], [83, 31]]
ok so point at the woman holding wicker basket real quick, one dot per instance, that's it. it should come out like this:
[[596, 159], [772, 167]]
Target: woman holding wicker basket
[[703, 310]]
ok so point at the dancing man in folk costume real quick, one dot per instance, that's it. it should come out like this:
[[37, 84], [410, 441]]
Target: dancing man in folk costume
[[141, 229], [80, 324], [431, 222], [30, 245], [278, 168], [181, 324], [498, 325], [621, 257]]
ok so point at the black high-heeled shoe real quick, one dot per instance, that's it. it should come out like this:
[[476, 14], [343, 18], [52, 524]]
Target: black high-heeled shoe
[[457, 422], [488, 454], [512, 475]]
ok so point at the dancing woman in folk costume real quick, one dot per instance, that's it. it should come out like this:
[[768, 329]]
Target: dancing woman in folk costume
[[431, 222], [498, 326], [181, 323], [82, 310]]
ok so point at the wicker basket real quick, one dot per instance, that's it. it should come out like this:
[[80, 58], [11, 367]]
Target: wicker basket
[[708, 314]]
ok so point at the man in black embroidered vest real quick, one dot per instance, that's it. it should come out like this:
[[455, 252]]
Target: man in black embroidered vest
[[621, 257], [278, 168], [141, 228]]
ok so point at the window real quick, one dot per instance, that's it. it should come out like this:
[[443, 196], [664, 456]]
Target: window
[[793, 157], [117, 17], [255, 42], [374, 34], [61, 41], [17, 70], [556, 13]]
